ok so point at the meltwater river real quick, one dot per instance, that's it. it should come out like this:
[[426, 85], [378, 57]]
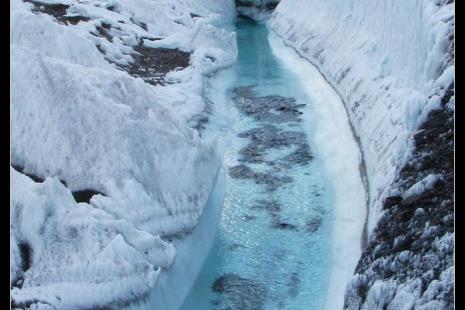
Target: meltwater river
[[273, 244]]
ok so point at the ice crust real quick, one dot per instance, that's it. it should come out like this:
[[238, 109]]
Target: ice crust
[[77, 117]]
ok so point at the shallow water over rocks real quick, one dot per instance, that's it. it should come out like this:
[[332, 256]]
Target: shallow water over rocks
[[273, 244]]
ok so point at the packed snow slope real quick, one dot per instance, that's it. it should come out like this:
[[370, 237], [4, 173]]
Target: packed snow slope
[[392, 63], [108, 162]]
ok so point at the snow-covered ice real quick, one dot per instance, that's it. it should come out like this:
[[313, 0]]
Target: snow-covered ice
[[79, 118], [389, 62], [392, 64]]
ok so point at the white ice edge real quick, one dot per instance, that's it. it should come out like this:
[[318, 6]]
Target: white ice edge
[[341, 158], [174, 284]]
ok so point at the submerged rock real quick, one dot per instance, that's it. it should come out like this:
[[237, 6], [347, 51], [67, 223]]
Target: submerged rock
[[283, 225], [270, 137], [294, 284], [314, 224], [240, 292], [272, 108], [270, 181]]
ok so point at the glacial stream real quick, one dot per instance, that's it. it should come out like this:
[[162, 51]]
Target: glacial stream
[[273, 244]]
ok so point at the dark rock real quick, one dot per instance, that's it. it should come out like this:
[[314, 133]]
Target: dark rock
[[85, 195], [34, 177], [272, 108], [236, 246], [314, 224], [241, 172], [25, 251], [272, 206], [269, 137], [415, 225], [391, 201], [271, 182], [283, 225], [294, 284], [240, 292], [57, 10], [104, 31], [152, 64]]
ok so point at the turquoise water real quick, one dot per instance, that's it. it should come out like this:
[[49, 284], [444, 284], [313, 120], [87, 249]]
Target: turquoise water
[[273, 244]]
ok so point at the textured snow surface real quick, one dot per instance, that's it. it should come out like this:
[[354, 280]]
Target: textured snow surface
[[78, 117], [392, 63], [388, 60]]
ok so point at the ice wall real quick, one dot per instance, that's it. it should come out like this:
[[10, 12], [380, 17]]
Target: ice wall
[[82, 120], [390, 62]]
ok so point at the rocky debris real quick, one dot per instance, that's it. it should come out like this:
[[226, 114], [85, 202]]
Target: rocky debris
[[270, 181], [104, 31], [273, 208], [57, 10], [152, 64], [410, 252], [284, 225], [271, 137], [267, 110], [240, 292], [273, 109]]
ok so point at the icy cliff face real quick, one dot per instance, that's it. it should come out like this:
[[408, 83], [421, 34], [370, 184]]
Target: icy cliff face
[[392, 63], [108, 162]]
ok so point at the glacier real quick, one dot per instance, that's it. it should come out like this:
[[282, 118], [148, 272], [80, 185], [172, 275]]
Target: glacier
[[145, 144], [84, 121]]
